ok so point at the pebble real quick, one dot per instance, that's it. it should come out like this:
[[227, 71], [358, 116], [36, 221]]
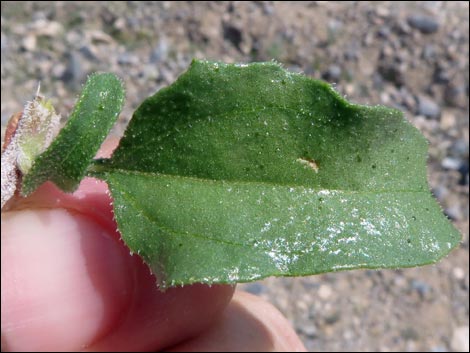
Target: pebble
[[29, 43], [333, 73], [463, 170], [254, 288], [458, 273], [97, 37], [447, 120], [429, 52], [165, 75], [409, 333], [308, 329], [332, 318], [460, 148], [150, 72], [425, 24], [4, 42], [451, 163], [401, 28], [160, 52], [384, 32], [89, 52], [454, 212], [460, 339], [73, 72], [325, 291], [127, 59], [428, 108], [47, 28], [392, 72], [455, 95], [232, 34], [421, 287], [441, 76], [440, 192]]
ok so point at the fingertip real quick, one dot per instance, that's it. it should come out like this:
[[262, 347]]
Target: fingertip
[[64, 280], [69, 284], [249, 324]]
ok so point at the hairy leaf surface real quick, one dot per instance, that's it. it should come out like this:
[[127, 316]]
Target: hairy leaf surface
[[239, 172], [66, 160]]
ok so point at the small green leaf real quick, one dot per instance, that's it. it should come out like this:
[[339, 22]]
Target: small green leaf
[[66, 160], [239, 172]]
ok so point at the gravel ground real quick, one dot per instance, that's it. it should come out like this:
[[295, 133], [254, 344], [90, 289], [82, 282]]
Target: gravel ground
[[409, 55]]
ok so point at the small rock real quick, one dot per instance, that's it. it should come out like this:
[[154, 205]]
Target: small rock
[[120, 24], [254, 288], [463, 170], [382, 11], [47, 28], [402, 28], [440, 192], [150, 72], [325, 291], [409, 333], [333, 73], [165, 75], [425, 24], [441, 76], [308, 330], [332, 318], [460, 339], [384, 32], [408, 101], [97, 36], [454, 212], [460, 148], [58, 70], [88, 52], [377, 81], [351, 53], [160, 52], [368, 39], [349, 89], [268, 9], [73, 72], [29, 43], [4, 42], [392, 72], [428, 108], [429, 52], [451, 163], [458, 273], [385, 98], [334, 25], [421, 287], [455, 95], [448, 120], [232, 34], [127, 59]]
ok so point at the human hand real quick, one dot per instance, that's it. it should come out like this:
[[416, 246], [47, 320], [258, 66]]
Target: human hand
[[69, 283]]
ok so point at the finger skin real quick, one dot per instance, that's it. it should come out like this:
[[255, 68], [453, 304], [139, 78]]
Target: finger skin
[[249, 324], [69, 283]]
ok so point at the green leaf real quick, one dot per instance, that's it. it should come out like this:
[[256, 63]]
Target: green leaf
[[239, 172], [66, 160]]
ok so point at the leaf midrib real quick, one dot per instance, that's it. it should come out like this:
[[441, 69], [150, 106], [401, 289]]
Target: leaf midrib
[[99, 170]]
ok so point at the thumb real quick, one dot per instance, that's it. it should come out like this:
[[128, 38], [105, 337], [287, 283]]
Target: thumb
[[68, 283], [54, 295]]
